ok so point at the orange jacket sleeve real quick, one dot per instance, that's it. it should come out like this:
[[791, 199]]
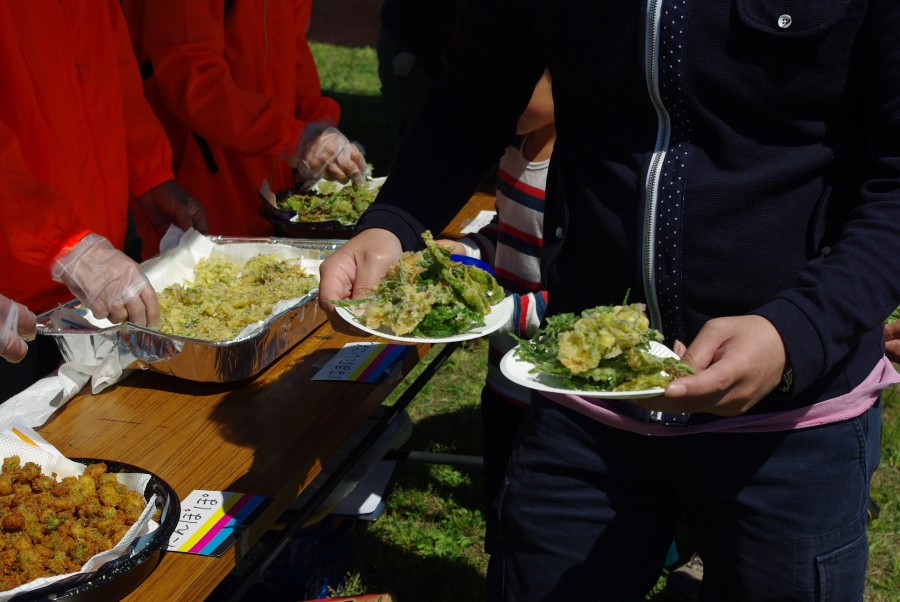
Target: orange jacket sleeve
[[311, 105], [185, 40], [148, 150], [36, 220]]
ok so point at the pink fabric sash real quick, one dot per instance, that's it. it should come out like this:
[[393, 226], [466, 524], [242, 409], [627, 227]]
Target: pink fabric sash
[[836, 409]]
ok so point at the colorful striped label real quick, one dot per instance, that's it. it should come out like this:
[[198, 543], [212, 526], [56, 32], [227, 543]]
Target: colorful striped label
[[212, 521], [363, 362]]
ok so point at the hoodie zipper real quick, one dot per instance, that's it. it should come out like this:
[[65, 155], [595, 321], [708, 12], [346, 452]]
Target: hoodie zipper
[[659, 155]]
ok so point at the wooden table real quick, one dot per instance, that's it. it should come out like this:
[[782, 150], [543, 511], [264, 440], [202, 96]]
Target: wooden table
[[480, 201], [268, 435]]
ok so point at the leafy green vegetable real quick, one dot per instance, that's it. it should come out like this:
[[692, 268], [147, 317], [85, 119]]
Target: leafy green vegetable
[[605, 349], [428, 295]]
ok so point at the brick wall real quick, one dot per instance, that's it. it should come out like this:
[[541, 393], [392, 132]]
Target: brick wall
[[345, 22]]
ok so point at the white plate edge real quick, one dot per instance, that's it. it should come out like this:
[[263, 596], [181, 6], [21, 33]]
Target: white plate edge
[[508, 359], [502, 317]]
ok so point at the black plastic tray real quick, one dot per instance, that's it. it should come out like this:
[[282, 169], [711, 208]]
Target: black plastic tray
[[281, 221], [116, 579]]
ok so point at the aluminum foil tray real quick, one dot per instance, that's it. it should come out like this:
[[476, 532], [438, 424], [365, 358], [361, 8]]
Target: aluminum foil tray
[[204, 361]]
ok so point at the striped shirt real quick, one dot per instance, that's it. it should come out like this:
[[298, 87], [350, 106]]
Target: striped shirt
[[511, 244]]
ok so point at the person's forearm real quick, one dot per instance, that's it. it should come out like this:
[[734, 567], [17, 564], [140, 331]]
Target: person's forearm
[[841, 297], [848, 293], [468, 118]]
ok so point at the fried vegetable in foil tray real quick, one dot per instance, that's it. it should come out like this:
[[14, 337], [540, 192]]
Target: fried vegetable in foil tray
[[52, 528], [225, 297], [605, 349], [429, 295]]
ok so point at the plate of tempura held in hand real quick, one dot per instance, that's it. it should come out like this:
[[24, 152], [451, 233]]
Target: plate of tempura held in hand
[[427, 297], [608, 352]]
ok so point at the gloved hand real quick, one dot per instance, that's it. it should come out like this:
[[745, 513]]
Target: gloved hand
[[324, 152], [107, 281], [17, 325], [168, 203]]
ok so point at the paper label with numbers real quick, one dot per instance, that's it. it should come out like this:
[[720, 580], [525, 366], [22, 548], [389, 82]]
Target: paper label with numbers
[[364, 362], [212, 521]]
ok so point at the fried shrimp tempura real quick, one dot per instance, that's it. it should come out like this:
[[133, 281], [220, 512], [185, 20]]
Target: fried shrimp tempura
[[50, 527]]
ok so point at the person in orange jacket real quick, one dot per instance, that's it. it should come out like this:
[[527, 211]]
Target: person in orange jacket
[[77, 139], [235, 85]]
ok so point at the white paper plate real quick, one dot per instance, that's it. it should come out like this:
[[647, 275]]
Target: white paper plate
[[519, 372], [492, 322]]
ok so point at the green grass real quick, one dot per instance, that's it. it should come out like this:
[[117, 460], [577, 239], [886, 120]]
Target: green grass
[[427, 546], [884, 533], [347, 70], [432, 530]]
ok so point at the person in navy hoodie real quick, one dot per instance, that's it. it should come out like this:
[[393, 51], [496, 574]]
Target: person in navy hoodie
[[736, 165]]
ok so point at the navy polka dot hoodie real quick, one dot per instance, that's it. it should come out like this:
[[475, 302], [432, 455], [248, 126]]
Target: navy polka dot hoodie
[[717, 158]]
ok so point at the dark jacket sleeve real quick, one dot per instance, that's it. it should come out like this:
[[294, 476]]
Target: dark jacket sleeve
[[851, 290], [467, 119]]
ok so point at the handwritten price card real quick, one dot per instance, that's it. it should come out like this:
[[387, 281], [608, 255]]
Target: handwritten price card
[[212, 521], [364, 362]]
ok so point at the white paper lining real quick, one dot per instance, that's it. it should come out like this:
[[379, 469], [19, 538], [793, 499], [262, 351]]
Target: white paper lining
[[38, 402]]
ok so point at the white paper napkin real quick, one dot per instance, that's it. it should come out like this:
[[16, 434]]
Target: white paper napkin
[[36, 403]]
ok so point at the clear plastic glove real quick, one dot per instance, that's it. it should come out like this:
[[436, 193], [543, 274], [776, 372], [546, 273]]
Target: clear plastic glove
[[168, 203], [324, 152], [17, 325], [107, 281]]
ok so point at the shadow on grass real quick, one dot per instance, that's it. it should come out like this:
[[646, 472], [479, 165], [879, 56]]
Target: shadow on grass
[[361, 121], [384, 566], [456, 431], [467, 492]]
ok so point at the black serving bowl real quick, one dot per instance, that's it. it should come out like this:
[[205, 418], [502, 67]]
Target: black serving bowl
[[281, 222], [118, 578]]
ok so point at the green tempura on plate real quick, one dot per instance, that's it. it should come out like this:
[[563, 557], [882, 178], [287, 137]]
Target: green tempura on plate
[[607, 348], [330, 202], [428, 295]]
